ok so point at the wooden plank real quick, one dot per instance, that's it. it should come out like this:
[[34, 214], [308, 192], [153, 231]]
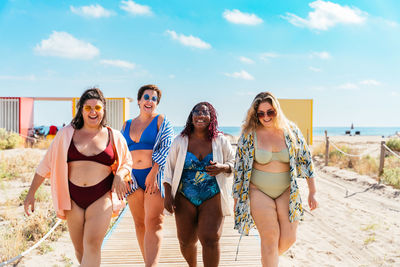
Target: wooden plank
[[122, 248]]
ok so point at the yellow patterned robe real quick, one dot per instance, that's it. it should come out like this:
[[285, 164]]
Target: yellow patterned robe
[[301, 165]]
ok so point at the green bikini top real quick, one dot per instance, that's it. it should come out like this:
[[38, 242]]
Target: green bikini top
[[263, 156]]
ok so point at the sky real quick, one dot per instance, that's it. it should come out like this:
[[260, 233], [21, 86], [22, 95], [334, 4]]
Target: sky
[[343, 54]]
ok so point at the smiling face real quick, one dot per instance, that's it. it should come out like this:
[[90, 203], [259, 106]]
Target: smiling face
[[92, 112], [148, 101], [263, 110], [201, 117]]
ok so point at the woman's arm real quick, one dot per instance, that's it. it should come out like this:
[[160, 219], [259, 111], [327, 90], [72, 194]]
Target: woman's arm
[[305, 167], [169, 175], [238, 168], [29, 202], [160, 153], [123, 172], [226, 166]]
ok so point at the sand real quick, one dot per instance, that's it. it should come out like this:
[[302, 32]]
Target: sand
[[357, 222]]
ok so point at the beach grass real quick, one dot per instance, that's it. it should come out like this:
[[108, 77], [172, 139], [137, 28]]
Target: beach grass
[[9, 140], [19, 232], [394, 144], [366, 165]]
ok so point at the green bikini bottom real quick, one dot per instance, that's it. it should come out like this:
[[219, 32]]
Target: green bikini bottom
[[271, 183]]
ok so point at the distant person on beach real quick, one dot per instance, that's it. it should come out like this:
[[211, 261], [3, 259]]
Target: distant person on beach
[[200, 160], [149, 138], [271, 154], [86, 162]]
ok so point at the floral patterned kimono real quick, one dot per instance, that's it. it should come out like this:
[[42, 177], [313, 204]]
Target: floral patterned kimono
[[301, 165]]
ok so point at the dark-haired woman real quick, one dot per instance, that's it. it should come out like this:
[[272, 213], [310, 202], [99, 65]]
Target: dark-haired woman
[[149, 138], [86, 162], [199, 162]]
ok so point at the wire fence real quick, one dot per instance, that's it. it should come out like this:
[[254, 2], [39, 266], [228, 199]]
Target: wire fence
[[384, 149]]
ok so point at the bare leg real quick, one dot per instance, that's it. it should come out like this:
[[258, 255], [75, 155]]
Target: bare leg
[[97, 220], [263, 211], [287, 229], [153, 219], [210, 229], [186, 228], [75, 222], [136, 205]]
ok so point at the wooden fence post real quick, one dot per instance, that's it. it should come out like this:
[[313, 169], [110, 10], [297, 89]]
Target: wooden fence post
[[326, 148], [382, 160]]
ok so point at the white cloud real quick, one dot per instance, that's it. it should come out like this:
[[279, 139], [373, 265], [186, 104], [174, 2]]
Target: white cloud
[[189, 40], [321, 55], [118, 63], [267, 56], [18, 78], [171, 76], [326, 15], [391, 23], [246, 60], [370, 82], [240, 75], [349, 86], [135, 9], [394, 93], [62, 44], [238, 17], [94, 11], [314, 69]]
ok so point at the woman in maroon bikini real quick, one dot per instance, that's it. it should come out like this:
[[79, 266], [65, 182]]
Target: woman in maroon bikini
[[85, 162]]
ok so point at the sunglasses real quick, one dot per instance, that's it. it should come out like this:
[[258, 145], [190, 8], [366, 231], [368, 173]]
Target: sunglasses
[[201, 112], [89, 108], [269, 113], [147, 97]]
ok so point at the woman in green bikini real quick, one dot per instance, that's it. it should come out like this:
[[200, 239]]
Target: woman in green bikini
[[271, 153]]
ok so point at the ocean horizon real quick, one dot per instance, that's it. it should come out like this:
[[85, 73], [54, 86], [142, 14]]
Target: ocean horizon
[[317, 131]]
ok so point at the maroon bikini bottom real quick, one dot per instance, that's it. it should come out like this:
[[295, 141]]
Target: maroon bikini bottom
[[84, 196]]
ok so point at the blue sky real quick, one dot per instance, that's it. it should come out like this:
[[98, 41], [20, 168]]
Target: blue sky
[[343, 54]]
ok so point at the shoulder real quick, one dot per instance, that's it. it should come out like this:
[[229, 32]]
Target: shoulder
[[179, 139], [221, 138], [160, 119], [117, 134], [64, 132], [294, 128]]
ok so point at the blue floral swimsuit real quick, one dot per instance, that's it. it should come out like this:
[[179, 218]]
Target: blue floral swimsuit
[[196, 185]]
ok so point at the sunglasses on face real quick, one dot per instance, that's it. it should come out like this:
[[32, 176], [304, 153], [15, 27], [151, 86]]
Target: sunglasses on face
[[269, 113], [147, 97], [201, 112], [89, 108]]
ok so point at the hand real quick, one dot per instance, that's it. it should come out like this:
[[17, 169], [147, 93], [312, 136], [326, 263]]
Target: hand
[[169, 203], [29, 203], [151, 183], [120, 187], [216, 168], [312, 202]]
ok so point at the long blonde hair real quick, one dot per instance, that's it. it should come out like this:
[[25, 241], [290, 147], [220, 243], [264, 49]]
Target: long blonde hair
[[280, 121]]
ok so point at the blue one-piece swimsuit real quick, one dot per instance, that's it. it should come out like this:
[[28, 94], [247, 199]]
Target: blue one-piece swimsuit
[[196, 185]]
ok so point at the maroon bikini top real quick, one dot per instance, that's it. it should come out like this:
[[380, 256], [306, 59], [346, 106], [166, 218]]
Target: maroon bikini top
[[105, 157]]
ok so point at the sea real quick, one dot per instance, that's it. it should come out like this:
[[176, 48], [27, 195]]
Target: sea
[[317, 131]]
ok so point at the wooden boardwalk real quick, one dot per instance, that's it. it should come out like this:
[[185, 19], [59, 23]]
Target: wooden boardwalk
[[122, 249]]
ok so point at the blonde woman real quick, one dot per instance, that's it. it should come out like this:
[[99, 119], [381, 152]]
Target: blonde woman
[[271, 154]]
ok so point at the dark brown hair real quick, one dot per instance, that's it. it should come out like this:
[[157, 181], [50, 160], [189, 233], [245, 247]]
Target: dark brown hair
[[149, 87], [212, 128], [92, 93]]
